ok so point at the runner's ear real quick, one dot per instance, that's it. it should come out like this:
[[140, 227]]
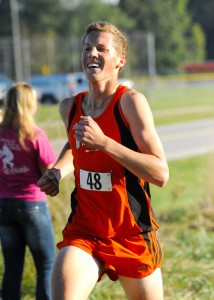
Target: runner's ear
[[121, 61]]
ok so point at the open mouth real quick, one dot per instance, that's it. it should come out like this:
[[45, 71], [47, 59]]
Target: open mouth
[[93, 65]]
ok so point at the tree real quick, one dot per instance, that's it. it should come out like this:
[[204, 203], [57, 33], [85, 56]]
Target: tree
[[75, 19], [87, 11], [170, 23], [5, 19], [40, 17], [55, 28], [202, 12]]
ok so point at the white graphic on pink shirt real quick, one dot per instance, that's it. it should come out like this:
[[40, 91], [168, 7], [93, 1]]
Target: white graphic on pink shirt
[[8, 161], [7, 157]]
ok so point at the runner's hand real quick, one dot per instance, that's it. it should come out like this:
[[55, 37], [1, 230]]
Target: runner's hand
[[49, 182]]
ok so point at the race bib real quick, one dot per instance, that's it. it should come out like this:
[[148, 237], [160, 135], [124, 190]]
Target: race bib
[[95, 181]]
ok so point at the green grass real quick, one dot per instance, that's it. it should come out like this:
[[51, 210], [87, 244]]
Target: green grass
[[185, 207], [165, 95], [170, 103]]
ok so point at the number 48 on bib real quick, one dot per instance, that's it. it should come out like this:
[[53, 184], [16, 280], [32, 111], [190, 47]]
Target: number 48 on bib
[[95, 181]]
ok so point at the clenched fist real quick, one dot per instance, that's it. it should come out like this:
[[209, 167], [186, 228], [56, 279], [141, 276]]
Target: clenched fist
[[49, 182]]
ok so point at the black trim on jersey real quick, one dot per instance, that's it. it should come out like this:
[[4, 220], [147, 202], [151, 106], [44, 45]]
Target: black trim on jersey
[[71, 116], [135, 192], [74, 204], [74, 201]]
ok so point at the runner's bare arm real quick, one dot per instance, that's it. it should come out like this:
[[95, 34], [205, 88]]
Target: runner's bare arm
[[49, 182]]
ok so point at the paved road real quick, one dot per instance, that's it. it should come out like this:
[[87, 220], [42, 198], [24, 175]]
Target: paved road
[[187, 139], [180, 140]]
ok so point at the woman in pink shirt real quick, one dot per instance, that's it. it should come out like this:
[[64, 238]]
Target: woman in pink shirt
[[25, 154]]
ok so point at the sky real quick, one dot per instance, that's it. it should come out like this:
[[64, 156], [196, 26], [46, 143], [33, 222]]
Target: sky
[[71, 4]]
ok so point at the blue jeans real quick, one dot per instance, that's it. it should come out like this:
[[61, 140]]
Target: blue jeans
[[26, 224]]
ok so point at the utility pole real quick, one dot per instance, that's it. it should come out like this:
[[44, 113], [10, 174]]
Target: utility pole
[[151, 54], [17, 45]]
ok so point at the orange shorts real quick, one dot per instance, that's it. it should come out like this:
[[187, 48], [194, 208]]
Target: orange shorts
[[135, 256]]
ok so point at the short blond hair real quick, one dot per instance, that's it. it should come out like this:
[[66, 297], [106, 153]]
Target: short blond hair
[[119, 39]]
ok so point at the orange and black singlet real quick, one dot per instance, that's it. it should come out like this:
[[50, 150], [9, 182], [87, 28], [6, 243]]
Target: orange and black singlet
[[108, 200]]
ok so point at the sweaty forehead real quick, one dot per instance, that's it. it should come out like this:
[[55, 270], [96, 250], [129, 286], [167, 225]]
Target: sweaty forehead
[[99, 37]]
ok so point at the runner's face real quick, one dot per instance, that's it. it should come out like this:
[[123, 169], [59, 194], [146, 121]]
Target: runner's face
[[99, 57]]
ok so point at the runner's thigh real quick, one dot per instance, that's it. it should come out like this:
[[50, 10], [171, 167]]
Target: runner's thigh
[[75, 274], [147, 288]]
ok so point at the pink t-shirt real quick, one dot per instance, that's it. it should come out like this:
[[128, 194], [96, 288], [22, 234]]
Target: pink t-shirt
[[20, 169]]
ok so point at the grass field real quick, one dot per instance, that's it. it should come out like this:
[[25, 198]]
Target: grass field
[[185, 207]]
